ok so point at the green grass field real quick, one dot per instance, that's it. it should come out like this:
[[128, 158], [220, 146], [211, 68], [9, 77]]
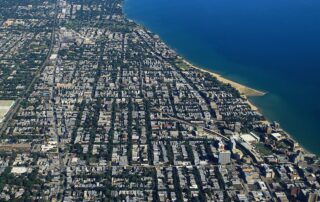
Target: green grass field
[[263, 150]]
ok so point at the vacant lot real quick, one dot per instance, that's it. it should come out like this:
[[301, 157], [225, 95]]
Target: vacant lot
[[5, 106]]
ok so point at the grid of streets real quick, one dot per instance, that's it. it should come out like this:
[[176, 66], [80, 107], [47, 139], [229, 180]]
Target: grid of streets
[[105, 111]]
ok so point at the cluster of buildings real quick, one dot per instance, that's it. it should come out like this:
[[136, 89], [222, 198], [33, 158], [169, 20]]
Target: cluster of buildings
[[115, 114], [24, 44]]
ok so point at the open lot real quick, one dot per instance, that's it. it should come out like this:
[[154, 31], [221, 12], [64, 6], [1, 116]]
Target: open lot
[[5, 106]]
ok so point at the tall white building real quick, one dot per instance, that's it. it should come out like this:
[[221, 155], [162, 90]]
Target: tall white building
[[224, 157]]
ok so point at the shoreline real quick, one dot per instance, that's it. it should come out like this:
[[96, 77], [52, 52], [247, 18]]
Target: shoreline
[[245, 91]]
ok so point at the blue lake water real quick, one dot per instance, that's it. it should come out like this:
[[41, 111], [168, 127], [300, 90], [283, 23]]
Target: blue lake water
[[272, 45]]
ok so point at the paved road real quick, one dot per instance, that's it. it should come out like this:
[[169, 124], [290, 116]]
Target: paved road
[[18, 101], [192, 124]]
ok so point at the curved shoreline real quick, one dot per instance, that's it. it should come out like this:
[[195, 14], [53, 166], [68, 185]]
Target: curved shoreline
[[244, 90]]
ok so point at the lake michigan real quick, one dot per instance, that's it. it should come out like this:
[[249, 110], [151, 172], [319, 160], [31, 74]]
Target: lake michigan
[[270, 45]]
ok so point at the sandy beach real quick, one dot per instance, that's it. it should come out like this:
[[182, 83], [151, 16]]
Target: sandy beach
[[245, 91]]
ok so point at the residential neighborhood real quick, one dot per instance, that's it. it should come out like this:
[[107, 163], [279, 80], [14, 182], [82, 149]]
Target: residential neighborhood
[[104, 110]]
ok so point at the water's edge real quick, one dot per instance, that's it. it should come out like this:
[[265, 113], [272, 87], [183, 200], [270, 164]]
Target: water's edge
[[272, 106]]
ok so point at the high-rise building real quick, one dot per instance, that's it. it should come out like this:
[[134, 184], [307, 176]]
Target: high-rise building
[[224, 157], [233, 144]]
